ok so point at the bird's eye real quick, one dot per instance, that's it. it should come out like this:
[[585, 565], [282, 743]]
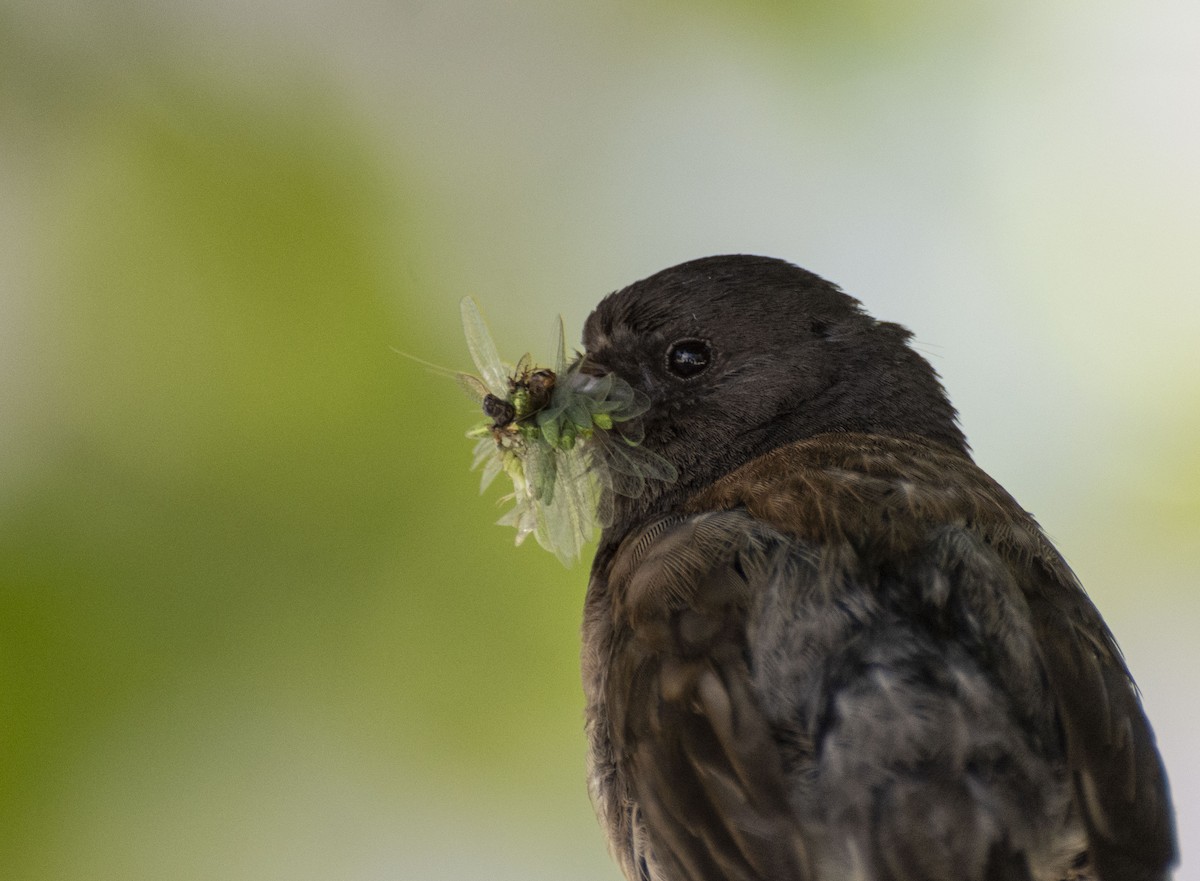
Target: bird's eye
[[688, 358]]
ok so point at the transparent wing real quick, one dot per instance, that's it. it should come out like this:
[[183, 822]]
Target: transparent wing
[[622, 469], [567, 521], [638, 461], [522, 518], [483, 350], [560, 358], [524, 514], [582, 493], [541, 471], [473, 386], [492, 459]]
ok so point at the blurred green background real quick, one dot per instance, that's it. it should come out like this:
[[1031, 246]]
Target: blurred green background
[[255, 622]]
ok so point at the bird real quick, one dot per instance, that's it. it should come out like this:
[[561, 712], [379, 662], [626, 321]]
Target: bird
[[834, 648]]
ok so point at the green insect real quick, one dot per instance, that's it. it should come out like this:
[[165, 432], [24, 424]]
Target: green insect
[[567, 439]]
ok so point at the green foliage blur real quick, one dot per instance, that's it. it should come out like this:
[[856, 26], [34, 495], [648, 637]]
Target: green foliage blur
[[255, 620], [246, 602]]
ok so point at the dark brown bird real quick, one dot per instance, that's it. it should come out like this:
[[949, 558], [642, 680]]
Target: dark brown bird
[[835, 648]]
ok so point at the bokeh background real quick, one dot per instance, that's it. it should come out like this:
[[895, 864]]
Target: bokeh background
[[255, 622]]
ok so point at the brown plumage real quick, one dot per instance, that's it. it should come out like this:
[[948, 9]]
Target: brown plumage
[[835, 648]]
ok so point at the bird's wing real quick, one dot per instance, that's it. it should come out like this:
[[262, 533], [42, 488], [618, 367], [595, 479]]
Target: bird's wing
[[685, 727], [730, 641], [697, 730], [1120, 784], [855, 486]]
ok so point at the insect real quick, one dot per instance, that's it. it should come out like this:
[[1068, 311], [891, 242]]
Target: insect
[[567, 439]]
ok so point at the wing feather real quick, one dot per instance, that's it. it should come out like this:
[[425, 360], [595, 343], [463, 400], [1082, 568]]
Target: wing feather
[[1120, 783], [696, 747]]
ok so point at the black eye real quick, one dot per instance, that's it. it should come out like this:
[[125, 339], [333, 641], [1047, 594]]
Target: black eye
[[688, 358]]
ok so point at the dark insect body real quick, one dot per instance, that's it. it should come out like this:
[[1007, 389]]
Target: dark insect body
[[500, 411]]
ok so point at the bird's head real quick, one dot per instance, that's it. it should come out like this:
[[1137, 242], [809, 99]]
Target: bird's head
[[739, 355]]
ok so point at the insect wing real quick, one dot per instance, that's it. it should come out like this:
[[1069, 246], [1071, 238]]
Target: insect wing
[[623, 469], [522, 518], [567, 521], [473, 386], [560, 359], [492, 459], [541, 471], [483, 350]]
